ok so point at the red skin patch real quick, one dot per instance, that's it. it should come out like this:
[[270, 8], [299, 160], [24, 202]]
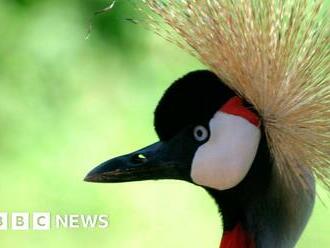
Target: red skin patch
[[235, 106], [237, 238]]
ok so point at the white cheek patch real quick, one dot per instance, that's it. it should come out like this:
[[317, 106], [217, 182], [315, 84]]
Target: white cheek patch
[[226, 158]]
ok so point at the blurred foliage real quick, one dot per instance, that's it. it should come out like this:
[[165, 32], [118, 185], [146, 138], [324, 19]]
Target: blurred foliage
[[67, 103]]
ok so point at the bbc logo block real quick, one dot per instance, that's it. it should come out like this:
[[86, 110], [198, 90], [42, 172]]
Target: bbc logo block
[[41, 221], [20, 221], [3, 221]]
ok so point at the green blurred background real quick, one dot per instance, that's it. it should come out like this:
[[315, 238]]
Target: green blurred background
[[67, 104]]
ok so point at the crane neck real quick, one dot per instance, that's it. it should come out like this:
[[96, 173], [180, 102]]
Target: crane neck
[[238, 237], [236, 229]]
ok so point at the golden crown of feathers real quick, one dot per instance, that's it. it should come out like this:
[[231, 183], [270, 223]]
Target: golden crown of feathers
[[275, 54]]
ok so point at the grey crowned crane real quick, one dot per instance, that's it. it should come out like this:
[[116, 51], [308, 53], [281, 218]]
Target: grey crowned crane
[[217, 142], [256, 131]]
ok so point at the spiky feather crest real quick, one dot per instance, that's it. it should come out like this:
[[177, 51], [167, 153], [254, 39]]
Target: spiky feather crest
[[273, 53]]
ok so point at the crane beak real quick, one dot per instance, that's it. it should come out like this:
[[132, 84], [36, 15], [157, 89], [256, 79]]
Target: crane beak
[[157, 161]]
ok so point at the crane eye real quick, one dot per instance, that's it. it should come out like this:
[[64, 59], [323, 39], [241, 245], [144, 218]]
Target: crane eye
[[200, 133]]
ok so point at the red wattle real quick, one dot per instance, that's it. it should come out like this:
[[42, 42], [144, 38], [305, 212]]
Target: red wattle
[[237, 238], [235, 106]]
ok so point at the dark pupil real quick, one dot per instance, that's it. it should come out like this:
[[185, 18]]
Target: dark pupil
[[199, 133]]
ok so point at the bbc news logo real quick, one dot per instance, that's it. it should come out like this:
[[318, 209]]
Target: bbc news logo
[[45, 221]]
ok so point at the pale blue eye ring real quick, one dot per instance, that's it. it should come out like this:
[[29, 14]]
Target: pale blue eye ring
[[200, 133]]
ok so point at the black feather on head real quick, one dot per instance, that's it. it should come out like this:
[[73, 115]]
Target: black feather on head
[[191, 100]]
